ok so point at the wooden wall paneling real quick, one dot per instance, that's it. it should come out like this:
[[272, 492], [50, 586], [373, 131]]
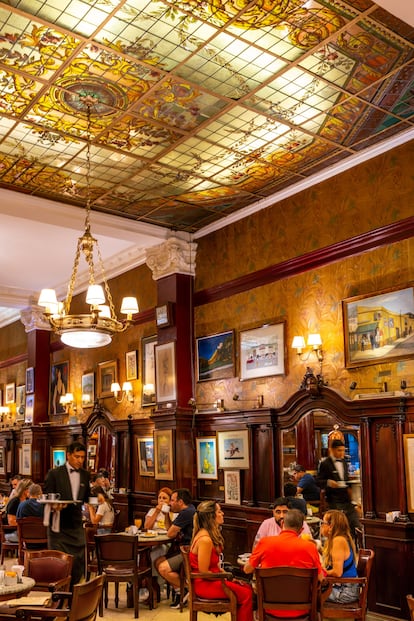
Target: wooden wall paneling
[[263, 468], [385, 482], [365, 453], [305, 442]]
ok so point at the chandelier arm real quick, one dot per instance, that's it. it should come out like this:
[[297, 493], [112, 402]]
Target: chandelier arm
[[72, 280], [106, 286]]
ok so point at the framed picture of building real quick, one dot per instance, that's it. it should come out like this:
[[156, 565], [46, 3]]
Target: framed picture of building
[[379, 327], [262, 351]]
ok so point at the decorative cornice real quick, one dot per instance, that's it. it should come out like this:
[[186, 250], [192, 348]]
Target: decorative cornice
[[365, 242], [174, 256], [33, 318]]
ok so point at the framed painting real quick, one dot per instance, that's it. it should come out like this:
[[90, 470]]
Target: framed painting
[[163, 453], [379, 327], [2, 460], [215, 356], [107, 375], [20, 401], [233, 449], [206, 450], [165, 377], [30, 379], [59, 377], [232, 493], [26, 459], [88, 389], [262, 351], [29, 410], [131, 365], [148, 344], [10, 393], [58, 457], [146, 456]]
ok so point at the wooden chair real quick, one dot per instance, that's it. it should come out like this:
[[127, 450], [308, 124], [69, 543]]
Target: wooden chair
[[198, 604], [119, 561], [117, 517], [51, 569], [90, 554], [351, 610], [32, 535], [410, 602], [83, 604], [7, 546], [287, 588]]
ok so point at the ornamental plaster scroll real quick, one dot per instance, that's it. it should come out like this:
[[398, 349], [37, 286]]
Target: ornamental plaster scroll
[[174, 256], [33, 318]]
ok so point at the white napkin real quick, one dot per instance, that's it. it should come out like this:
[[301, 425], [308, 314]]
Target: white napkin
[[55, 518]]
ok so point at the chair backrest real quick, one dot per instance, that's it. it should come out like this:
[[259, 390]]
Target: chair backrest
[[47, 567], [287, 588], [85, 600], [32, 535], [185, 551], [365, 561], [116, 549], [410, 602], [115, 525]]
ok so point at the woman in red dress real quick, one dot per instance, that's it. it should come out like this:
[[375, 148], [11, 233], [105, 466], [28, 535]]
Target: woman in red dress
[[205, 553]]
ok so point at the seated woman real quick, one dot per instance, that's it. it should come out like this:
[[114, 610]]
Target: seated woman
[[205, 551], [339, 555], [155, 520], [104, 515]]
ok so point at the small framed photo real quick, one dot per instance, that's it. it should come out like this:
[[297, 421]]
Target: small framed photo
[[59, 378], [233, 449], [107, 374], [10, 394], [2, 460], [58, 457], [88, 389], [92, 450], [215, 356], [146, 456], [148, 345], [131, 365], [26, 459], [165, 377], [29, 411], [232, 494], [163, 452], [262, 351], [20, 401], [206, 449], [30, 379]]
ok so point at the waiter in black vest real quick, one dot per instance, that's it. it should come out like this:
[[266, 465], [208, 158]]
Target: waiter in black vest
[[333, 477], [65, 528]]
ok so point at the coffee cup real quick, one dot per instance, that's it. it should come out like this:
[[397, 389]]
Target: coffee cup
[[93, 500], [19, 572], [53, 496], [165, 508], [43, 497]]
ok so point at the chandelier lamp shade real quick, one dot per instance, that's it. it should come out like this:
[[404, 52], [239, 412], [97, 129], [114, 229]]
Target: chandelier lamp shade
[[96, 328]]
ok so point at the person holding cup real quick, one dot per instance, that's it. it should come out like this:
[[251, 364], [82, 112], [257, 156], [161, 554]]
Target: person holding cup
[[155, 520], [104, 515]]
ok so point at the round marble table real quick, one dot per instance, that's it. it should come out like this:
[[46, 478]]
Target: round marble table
[[17, 589]]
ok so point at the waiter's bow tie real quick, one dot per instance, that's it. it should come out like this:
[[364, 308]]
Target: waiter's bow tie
[[74, 470]]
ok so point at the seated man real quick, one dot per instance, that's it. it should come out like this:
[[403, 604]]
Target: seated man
[[306, 484], [180, 529], [31, 507], [295, 502], [273, 526], [289, 549]]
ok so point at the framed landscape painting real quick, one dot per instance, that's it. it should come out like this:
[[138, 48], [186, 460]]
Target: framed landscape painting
[[379, 327], [215, 356]]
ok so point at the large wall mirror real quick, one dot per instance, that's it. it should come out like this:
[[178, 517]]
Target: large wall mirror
[[101, 443], [307, 443]]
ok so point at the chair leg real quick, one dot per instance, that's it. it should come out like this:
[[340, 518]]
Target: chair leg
[[136, 600], [116, 594]]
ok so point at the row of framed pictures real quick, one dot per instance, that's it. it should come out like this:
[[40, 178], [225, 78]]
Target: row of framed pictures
[[156, 459]]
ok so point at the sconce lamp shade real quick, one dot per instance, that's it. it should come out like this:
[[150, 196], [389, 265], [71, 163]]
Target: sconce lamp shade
[[115, 387], [298, 343], [127, 387], [314, 340]]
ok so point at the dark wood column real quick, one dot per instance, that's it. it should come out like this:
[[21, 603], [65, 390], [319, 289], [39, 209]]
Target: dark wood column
[[38, 349]]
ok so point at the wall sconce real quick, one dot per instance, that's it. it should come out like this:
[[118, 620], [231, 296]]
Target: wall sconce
[[382, 388], [314, 342], [4, 412], [259, 401], [404, 386], [126, 392], [67, 402], [217, 405]]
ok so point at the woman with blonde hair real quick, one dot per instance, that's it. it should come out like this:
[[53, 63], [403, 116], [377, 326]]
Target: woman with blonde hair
[[205, 553], [339, 555]]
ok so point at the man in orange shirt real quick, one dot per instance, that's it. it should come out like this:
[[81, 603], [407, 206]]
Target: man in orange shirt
[[286, 550]]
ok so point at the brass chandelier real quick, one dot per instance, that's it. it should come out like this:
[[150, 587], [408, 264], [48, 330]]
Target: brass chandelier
[[96, 328]]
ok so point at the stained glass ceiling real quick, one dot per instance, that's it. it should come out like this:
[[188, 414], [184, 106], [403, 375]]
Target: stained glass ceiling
[[201, 107]]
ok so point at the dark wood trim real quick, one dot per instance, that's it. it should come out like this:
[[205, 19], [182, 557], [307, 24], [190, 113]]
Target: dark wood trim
[[14, 360], [359, 244]]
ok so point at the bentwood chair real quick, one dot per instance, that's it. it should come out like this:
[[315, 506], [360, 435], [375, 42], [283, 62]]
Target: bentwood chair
[[32, 535], [410, 602], [119, 561], [198, 604], [51, 569], [82, 604], [351, 610], [287, 589], [7, 546]]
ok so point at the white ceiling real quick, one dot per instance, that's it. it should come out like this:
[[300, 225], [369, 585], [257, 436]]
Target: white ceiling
[[38, 237]]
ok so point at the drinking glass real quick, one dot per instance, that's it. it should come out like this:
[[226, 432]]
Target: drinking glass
[[138, 522]]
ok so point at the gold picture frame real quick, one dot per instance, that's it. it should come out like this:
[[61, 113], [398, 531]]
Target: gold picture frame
[[163, 454], [107, 374]]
